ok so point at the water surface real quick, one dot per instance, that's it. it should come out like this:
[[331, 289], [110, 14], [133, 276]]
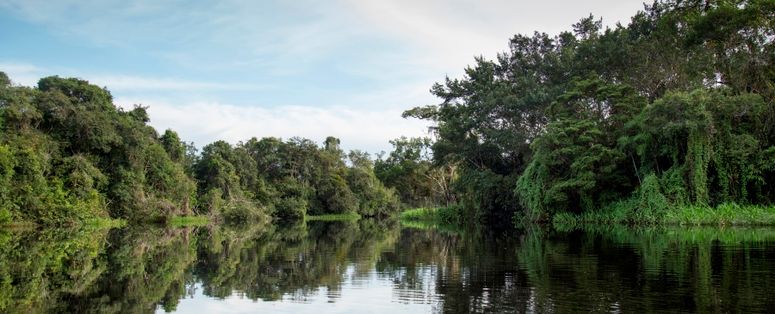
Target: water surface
[[382, 267]]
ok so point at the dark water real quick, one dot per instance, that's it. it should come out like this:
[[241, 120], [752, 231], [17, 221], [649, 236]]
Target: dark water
[[381, 267]]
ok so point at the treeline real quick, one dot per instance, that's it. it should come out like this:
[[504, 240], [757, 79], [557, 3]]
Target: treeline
[[289, 180], [409, 169], [68, 154], [674, 109]]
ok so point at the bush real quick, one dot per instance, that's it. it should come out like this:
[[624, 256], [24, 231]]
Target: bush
[[290, 208], [652, 204]]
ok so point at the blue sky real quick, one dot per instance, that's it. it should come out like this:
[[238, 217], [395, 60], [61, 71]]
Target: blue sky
[[236, 69]]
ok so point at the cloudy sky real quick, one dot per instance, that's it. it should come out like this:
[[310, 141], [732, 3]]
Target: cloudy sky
[[236, 69]]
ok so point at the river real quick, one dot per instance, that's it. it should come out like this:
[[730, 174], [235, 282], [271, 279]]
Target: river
[[373, 266]]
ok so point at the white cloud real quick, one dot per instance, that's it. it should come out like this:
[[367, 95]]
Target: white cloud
[[205, 122], [22, 73], [28, 75], [126, 83], [448, 34], [278, 37], [283, 38], [322, 51], [365, 121]]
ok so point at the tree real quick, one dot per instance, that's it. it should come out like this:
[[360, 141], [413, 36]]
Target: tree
[[579, 121], [172, 144], [4, 80]]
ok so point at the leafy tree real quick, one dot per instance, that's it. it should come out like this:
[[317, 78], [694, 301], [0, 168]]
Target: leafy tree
[[172, 144], [373, 197], [4, 80], [583, 120], [77, 156]]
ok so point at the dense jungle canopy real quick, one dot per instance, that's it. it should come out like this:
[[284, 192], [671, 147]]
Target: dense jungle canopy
[[67, 153], [674, 109]]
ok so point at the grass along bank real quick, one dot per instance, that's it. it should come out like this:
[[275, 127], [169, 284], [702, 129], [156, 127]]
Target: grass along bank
[[105, 222], [729, 214], [333, 217], [443, 215], [97, 223], [188, 221]]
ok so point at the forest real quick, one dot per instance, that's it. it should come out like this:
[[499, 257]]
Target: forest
[[68, 154], [667, 119]]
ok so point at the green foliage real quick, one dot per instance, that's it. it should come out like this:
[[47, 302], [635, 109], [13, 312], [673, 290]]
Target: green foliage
[[419, 214], [578, 166], [172, 144], [374, 198], [450, 215], [7, 166], [716, 141], [224, 174], [406, 169], [292, 201], [628, 213], [288, 180], [652, 204], [334, 195], [188, 221], [673, 110], [721, 215], [487, 197], [628, 123], [68, 155], [4, 80], [334, 217]]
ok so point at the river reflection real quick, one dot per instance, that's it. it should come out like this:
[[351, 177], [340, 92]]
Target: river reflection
[[380, 266]]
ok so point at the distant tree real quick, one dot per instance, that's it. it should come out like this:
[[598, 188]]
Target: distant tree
[[174, 147], [4, 80]]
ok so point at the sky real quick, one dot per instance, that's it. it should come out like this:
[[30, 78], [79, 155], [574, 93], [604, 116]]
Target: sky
[[233, 70]]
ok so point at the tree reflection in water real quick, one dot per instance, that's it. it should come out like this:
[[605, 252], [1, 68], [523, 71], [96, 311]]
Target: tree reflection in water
[[138, 270]]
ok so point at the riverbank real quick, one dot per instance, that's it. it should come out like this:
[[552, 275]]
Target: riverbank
[[188, 221], [442, 215], [333, 217], [177, 221], [92, 223], [722, 215]]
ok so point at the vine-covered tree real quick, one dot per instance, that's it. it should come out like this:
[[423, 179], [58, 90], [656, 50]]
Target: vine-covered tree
[[681, 97]]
